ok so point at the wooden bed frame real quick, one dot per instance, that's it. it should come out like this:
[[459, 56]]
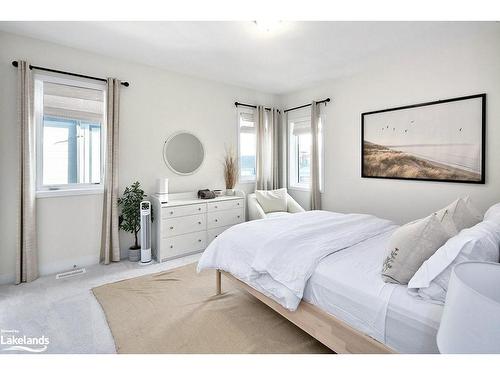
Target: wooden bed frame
[[332, 332]]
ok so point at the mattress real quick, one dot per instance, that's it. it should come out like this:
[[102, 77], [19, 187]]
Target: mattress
[[348, 285]]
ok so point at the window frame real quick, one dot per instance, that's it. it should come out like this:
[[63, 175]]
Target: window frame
[[241, 179], [292, 150], [54, 190]]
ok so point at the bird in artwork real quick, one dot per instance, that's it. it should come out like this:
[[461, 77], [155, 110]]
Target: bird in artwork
[[393, 129], [406, 130], [460, 129]]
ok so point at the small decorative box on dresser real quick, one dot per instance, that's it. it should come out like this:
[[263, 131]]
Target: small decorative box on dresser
[[186, 224]]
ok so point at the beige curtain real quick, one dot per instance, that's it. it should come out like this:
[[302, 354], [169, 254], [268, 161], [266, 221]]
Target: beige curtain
[[283, 153], [274, 149], [110, 248], [268, 149], [315, 163], [260, 133], [26, 257]]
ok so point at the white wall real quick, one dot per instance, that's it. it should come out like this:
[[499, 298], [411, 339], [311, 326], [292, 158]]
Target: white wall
[[427, 72], [157, 104]]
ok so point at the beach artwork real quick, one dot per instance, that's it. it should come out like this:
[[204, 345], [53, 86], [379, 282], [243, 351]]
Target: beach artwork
[[438, 141]]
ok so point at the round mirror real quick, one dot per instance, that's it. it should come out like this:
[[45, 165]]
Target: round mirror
[[183, 153]]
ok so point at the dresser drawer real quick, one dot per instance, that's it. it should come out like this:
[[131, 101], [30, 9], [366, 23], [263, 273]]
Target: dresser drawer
[[183, 225], [224, 218], [214, 233], [225, 205], [179, 245], [190, 209]]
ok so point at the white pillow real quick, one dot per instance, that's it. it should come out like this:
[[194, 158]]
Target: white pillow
[[272, 200], [458, 215], [409, 246], [493, 213], [480, 243]]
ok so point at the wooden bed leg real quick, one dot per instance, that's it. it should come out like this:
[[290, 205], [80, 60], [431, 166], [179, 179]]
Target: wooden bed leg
[[218, 285]]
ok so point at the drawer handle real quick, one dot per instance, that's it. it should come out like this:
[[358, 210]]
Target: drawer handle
[[199, 240], [171, 212], [199, 222], [171, 246], [216, 207], [216, 220], [238, 216], [171, 227], [199, 208], [238, 204]]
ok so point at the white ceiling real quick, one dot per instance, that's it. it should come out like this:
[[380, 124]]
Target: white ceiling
[[295, 56]]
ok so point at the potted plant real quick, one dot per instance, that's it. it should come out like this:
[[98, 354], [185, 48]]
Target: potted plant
[[130, 216], [230, 170]]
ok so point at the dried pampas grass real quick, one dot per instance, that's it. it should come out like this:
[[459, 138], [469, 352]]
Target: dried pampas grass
[[230, 168]]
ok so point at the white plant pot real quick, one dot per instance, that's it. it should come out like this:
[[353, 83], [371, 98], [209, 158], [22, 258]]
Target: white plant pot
[[134, 255], [230, 192]]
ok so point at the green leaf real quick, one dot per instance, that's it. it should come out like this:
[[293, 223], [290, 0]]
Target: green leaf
[[129, 204]]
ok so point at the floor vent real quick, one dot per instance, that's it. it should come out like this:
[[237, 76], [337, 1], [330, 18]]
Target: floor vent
[[72, 273]]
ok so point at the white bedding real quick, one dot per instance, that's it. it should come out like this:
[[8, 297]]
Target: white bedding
[[279, 255], [411, 324], [348, 285]]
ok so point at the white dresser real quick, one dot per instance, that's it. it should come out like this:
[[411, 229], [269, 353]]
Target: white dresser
[[186, 224]]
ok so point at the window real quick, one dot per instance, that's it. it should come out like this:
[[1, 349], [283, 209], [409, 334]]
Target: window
[[299, 150], [69, 117], [247, 146]]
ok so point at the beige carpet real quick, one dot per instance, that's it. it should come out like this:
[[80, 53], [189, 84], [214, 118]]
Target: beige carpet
[[176, 312]]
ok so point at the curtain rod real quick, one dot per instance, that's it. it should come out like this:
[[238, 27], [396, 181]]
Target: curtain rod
[[327, 100], [250, 106], [15, 63]]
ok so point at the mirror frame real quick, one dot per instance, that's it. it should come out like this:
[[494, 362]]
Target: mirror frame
[[169, 165]]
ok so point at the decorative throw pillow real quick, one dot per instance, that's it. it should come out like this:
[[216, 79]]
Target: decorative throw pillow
[[272, 200], [479, 243], [458, 215], [473, 209], [410, 246]]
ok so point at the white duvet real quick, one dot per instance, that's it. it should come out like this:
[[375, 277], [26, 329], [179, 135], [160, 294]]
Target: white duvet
[[278, 255]]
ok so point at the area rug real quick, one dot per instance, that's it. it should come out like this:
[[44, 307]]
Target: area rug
[[176, 311]]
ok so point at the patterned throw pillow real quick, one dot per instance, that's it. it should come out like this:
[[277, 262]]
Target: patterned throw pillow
[[410, 246]]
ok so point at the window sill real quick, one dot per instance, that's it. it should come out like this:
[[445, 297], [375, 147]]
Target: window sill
[[299, 188], [68, 192]]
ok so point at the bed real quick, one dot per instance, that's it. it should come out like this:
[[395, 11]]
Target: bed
[[321, 270]]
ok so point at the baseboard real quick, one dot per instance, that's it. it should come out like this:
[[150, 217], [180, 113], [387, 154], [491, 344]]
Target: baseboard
[[67, 264]]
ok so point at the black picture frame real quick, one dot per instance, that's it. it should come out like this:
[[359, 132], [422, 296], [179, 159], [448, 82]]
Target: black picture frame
[[482, 179]]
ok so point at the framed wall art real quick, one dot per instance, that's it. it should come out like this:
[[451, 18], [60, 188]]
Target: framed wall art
[[435, 141]]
